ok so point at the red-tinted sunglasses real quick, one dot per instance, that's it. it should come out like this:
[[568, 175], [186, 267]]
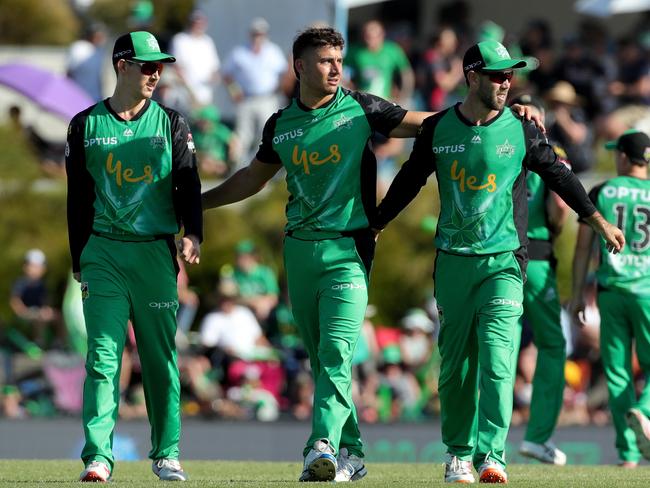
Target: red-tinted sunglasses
[[498, 76], [148, 68]]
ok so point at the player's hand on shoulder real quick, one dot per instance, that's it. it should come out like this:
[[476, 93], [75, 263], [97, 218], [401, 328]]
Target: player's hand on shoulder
[[525, 112], [190, 249]]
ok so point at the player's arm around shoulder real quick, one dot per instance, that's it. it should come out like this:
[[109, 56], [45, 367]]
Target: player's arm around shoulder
[[241, 185]]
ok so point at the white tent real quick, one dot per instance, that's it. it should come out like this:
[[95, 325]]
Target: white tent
[[605, 8]]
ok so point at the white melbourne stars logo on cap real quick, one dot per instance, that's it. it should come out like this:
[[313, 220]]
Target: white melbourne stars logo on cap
[[152, 43], [502, 52]]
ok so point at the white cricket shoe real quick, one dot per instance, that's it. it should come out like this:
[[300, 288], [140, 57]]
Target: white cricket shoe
[[350, 467], [96, 471], [640, 424], [491, 472], [458, 471], [547, 453], [320, 463], [168, 470]]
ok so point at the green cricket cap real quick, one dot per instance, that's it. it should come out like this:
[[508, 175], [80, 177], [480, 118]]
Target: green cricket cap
[[140, 46], [490, 56]]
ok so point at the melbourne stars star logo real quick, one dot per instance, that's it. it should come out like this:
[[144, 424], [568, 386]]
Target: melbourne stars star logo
[[112, 215], [462, 230], [505, 149]]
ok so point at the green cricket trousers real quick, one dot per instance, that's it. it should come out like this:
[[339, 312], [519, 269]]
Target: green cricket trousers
[[542, 311], [480, 304], [124, 280], [328, 287], [624, 319]]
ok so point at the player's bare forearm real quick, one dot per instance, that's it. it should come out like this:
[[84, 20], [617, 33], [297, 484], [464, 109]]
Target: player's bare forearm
[[410, 124], [241, 185], [613, 235]]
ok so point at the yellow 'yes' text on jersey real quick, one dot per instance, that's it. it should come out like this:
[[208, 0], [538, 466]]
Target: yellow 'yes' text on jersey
[[127, 174], [314, 158], [471, 181]]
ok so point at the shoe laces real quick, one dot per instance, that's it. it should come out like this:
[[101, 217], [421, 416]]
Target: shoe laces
[[323, 445], [171, 464], [459, 466]]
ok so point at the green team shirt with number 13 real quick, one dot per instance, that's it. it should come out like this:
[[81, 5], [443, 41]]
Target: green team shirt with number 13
[[625, 200], [331, 171]]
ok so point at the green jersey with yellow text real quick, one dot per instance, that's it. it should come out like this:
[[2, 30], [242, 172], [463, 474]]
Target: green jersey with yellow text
[[331, 177]]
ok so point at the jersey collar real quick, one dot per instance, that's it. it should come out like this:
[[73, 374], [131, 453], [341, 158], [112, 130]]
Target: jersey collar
[[469, 123]]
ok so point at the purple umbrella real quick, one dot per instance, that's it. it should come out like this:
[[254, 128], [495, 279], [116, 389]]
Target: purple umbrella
[[51, 91]]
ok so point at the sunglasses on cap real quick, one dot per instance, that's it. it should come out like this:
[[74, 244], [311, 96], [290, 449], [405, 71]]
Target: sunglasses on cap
[[148, 68], [498, 76]]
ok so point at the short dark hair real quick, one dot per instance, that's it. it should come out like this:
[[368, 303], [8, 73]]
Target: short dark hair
[[315, 37]]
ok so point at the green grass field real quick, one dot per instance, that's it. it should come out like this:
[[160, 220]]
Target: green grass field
[[27, 474]]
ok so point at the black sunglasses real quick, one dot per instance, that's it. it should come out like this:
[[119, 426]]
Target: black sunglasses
[[148, 68], [498, 76]]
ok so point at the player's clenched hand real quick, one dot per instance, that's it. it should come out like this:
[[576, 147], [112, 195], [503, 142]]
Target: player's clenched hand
[[613, 237], [525, 112], [190, 249]]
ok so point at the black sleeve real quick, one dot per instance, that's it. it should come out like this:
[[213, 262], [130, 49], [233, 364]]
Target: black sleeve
[[81, 189], [411, 177], [593, 196], [185, 177], [383, 116], [541, 159], [266, 153]]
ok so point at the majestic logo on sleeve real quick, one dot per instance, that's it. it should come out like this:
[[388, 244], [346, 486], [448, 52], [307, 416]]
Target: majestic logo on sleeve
[[190, 143], [506, 149]]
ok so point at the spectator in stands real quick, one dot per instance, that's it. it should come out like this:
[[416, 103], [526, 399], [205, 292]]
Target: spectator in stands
[[216, 144], [231, 327], [252, 74], [377, 62], [85, 60], [568, 125], [257, 283], [30, 303], [197, 65], [442, 70]]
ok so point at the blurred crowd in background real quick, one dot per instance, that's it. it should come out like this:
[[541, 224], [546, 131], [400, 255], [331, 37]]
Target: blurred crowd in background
[[239, 352]]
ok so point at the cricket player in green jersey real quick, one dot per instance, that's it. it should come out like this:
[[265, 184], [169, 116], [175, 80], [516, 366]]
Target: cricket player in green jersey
[[132, 182], [547, 213], [623, 292], [481, 153], [322, 140]]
